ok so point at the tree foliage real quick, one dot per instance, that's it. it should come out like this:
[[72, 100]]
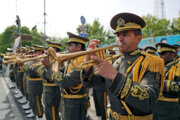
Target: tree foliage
[[160, 27], [8, 36]]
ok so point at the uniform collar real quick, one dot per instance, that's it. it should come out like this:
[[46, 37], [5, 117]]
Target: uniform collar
[[133, 53]]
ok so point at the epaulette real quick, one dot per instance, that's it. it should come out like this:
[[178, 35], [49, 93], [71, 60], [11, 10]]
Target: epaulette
[[75, 63], [154, 64]]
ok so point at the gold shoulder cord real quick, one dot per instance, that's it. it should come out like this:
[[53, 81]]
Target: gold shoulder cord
[[173, 71], [149, 62], [135, 78], [77, 88]]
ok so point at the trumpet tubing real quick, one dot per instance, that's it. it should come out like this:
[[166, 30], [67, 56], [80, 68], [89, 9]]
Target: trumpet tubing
[[19, 60], [100, 52], [93, 63]]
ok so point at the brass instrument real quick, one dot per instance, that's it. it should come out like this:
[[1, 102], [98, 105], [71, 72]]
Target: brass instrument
[[57, 58], [100, 52], [24, 59]]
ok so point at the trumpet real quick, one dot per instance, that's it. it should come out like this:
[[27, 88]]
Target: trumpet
[[100, 52], [24, 59]]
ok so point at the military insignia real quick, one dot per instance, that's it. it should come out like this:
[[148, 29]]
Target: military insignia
[[139, 92], [126, 88], [56, 76], [121, 22]]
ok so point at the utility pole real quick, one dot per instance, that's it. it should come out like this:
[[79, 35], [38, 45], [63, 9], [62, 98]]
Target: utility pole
[[45, 19], [16, 7], [159, 9], [163, 9]]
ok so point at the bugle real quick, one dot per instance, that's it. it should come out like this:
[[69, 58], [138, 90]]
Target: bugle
[[20, 60], [26, 58], [99, 52]]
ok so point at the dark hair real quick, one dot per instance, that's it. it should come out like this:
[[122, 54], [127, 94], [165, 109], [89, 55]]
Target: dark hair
[[82, 45], [137, 32]]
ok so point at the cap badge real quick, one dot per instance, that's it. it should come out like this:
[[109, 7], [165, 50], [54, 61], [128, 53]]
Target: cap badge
[[121, 22]]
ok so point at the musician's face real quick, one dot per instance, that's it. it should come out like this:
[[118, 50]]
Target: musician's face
[[128, 40], [167, 56], [72, 47]]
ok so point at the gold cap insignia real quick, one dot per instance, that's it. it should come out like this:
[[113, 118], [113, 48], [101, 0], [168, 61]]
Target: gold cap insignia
[[121, 22]]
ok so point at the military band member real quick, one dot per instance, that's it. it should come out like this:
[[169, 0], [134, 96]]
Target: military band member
[[25, 82], [167, 107], [134, 80], [150, 50], [34, 84], [74, 96], [51, 92]]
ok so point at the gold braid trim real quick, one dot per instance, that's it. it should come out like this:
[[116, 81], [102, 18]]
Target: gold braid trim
[[128, 82], [126, 88], [173, 71], [76, 89], [136, 69], [40, 69], [74, 64], [56, 76], [153, 64], [168, 85], [36, 64], [178, 70]]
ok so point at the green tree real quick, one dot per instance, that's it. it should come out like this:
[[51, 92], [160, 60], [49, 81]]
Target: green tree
[[8, 36], [175, 26], [157, 27]]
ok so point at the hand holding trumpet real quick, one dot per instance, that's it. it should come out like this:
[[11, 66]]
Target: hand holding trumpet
[[103, 67]]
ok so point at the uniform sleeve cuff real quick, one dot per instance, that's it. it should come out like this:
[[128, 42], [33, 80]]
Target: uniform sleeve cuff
[[117, 84]]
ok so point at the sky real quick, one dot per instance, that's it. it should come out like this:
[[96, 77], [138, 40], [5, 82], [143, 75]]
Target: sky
[[64, 15]]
